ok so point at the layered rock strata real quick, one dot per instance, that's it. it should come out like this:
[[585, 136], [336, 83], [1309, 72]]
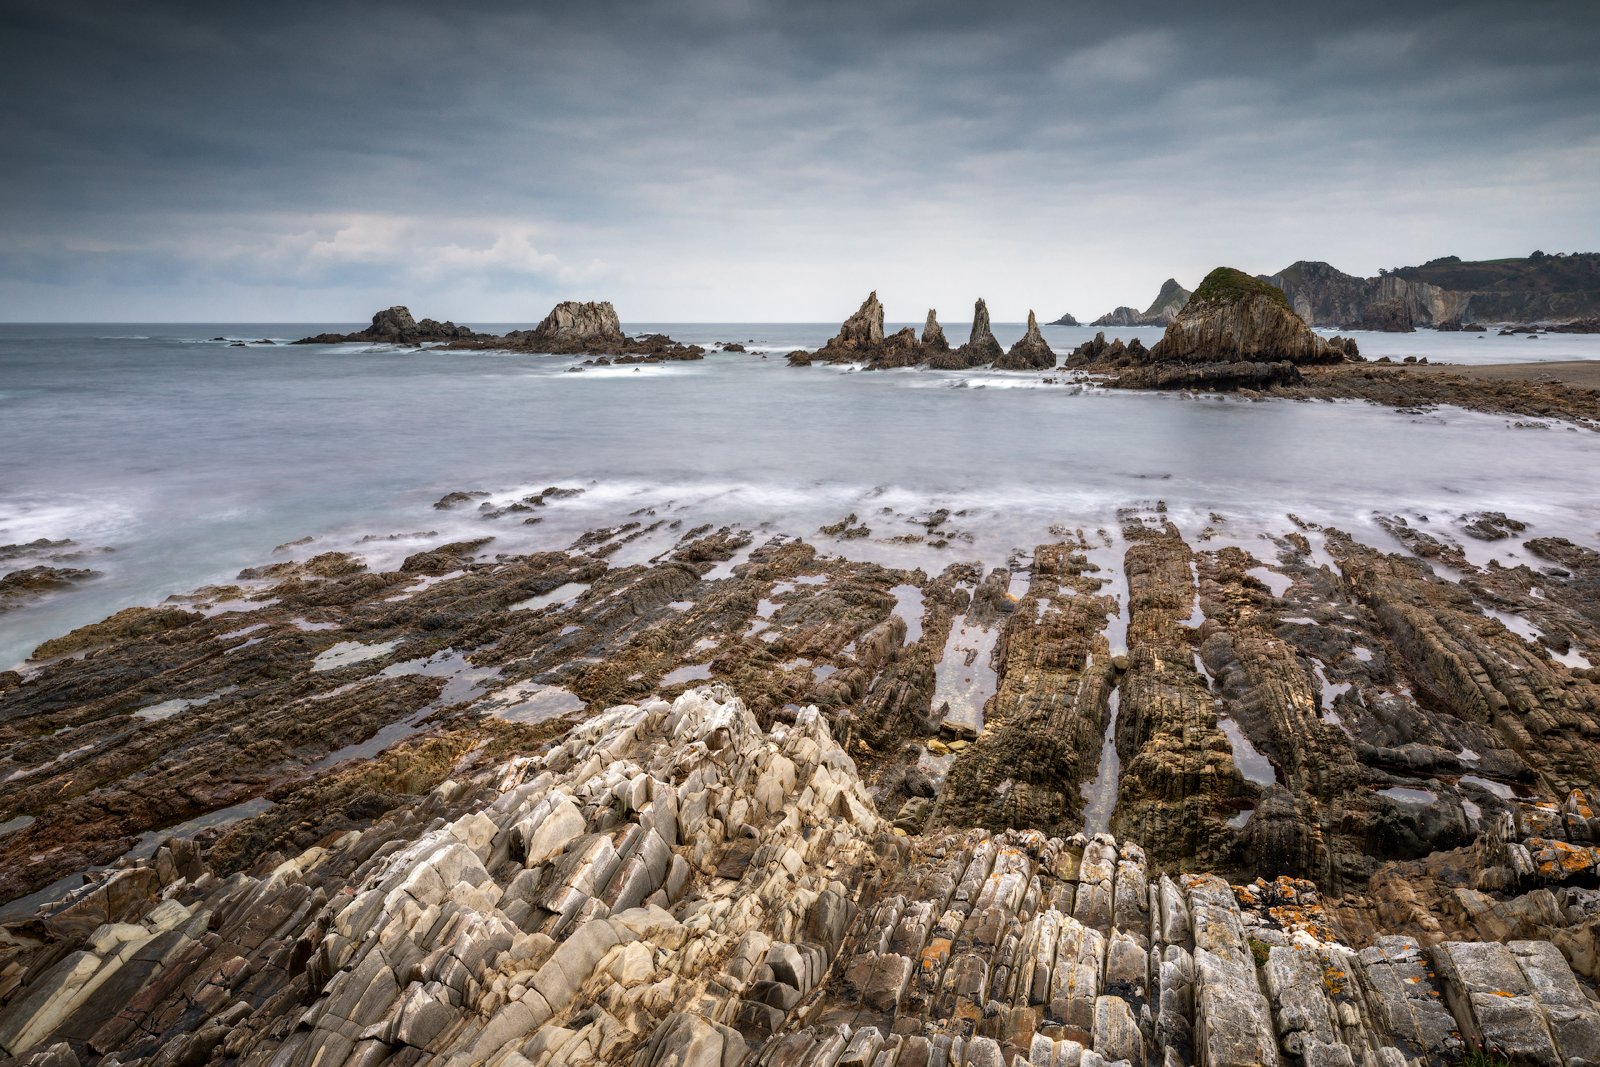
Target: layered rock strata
[[981, 349], [671, 884], [1234, 332], [252, 777], [1029, 353]]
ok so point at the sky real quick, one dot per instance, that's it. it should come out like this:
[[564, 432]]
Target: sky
[[725, 160]]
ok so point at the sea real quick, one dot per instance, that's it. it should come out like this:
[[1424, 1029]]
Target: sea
[[172, 459]]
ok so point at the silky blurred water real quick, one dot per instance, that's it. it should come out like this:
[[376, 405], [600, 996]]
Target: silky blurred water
[[189, 459]]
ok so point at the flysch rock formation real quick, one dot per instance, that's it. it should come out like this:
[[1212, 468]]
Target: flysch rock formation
[[395, 326], [981, 349], [670, 884], [861, 339], [1234, 332], [571, 328], [1162, 310], [323, 814], [1029, 353]]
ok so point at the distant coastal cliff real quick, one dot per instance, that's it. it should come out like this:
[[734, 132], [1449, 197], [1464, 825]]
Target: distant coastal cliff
[[1444, 293]]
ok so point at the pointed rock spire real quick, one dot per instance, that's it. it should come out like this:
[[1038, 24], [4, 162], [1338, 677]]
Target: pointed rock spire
[[1030, 353], [933, 333], [981, 348]]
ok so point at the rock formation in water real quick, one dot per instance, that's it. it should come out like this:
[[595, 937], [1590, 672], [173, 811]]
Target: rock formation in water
[[981, 348], [1234, 332], [395, 326], [1233, 317], [571, 328], [861, 339], [1168, 302], [1030, 353], [1065, 320]]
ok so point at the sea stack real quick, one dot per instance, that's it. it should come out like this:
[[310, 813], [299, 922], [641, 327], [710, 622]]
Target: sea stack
[[933, 333], [395, 326], [1030, 353], [981, 348], [861, 340], [575, 326], [1234, 332], [1233, 317]]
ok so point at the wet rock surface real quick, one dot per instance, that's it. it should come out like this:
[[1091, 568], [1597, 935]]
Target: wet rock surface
[[571, 328], [1235, 332], [731, 798], [861, 339], [393, 326]]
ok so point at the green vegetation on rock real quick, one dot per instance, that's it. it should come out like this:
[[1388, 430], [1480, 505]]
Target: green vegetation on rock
[[1226, 285]]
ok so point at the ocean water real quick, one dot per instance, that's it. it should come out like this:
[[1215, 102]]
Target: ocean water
[[174, 461]]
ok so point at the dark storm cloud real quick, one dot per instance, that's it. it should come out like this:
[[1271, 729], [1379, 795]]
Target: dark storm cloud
[[732, 159]]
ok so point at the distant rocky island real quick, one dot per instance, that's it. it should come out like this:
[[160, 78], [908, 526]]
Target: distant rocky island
[[572, 328], [1558, 291], [1168, 302]]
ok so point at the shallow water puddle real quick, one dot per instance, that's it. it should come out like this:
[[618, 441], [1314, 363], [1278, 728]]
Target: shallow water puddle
[[693, 672], [1411, 795], [1252, 765], [1278, 583], [346, 653], [168, 708], [561, 594], [463, 679], [150, 840], [1197, 614], [530, 702], [964, 678], [908, 605], [1499, 789], [1101, 794]]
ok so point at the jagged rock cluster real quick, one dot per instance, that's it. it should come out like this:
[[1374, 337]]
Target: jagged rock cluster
[[1162, 310], [395, 326], [673, 885], [861, 339], [571, 328], [1234, 332]]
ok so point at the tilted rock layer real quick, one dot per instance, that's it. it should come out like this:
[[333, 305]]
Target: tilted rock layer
[[673, 885], [1233, 317]]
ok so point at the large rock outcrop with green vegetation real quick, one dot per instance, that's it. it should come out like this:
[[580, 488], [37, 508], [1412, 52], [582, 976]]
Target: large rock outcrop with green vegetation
[[1234, 317]]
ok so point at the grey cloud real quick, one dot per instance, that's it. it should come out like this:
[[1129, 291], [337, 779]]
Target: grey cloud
[[1058, 149]]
